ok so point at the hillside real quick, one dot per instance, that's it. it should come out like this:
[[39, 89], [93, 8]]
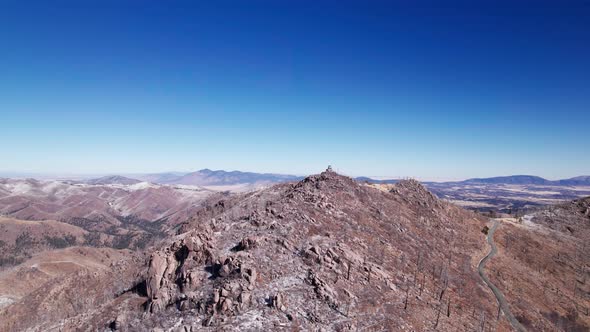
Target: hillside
[[114, 215], [54, 285], [543, 266], [19, 239], [571, 218], [326, 252]]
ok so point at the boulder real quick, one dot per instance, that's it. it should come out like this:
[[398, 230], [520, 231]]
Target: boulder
[[246, 244], [277, 302]]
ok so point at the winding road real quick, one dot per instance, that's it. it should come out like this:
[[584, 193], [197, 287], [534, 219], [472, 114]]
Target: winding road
[[497, 293]]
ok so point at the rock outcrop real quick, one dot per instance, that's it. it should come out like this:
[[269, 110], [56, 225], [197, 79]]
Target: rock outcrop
[[175, 270]]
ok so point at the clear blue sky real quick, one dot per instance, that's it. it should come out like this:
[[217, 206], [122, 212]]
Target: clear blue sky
[[434, 91]]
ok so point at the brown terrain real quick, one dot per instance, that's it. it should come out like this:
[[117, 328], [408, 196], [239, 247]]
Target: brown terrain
[[543, 267], [327, 253], [54, 200], [512, 198], [119, 216], [54, 285], [22, 238]]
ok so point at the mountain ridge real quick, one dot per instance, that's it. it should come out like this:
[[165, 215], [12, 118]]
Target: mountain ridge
[[326, 252], [112, 179], [208, 177], [508, 179]]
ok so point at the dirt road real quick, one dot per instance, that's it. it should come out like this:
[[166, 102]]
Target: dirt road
[[497, 293]]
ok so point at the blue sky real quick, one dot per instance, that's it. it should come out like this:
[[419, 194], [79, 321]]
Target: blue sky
[[464, 89]]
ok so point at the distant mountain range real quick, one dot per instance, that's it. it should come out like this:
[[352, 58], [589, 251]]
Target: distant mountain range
[[112, 179], [578, 180], [512, 179], [207, 177], [368, 179], [530, 180]]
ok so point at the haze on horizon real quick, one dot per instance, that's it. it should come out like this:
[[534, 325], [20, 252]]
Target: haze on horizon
[[453, 91]]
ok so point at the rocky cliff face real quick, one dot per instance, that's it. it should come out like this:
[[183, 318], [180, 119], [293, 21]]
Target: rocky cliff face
[[172, 271]]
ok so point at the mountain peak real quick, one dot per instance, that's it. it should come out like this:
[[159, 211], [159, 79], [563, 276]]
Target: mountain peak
[[208, 177], [412, 189], [328, 176], [113, 179], [326, 226], [512, 179]]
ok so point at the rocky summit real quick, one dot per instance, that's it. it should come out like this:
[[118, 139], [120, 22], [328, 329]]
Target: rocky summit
[[324, 254]]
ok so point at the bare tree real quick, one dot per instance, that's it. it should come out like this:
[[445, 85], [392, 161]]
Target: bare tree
[[483, 321], [445, 284], [449, 306], [437, 316], [406, 300], [348, 272], [450, 257], [422, 283], [417, 267]]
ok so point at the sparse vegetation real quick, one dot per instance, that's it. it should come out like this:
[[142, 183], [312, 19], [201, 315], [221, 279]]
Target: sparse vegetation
[[24, 242], [485, 230], [123, 241], [11, 260], [59, 242], [92, 239]]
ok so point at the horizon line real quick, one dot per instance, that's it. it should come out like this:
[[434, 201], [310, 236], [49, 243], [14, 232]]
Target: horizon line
[[89, 175]]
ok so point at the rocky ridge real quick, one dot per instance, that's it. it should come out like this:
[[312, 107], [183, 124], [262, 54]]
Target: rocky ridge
[[324, 253]]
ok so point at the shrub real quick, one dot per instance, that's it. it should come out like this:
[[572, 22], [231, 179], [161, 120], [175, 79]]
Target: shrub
[[485, 230], [92, 239], [60, 242], [123, 241], [24, 241]]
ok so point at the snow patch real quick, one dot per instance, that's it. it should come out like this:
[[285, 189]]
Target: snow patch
[[142, 185], [5, 301], [527, 219], [19, 188]]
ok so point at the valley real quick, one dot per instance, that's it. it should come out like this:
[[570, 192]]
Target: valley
[[503, 197], [37, 215]]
